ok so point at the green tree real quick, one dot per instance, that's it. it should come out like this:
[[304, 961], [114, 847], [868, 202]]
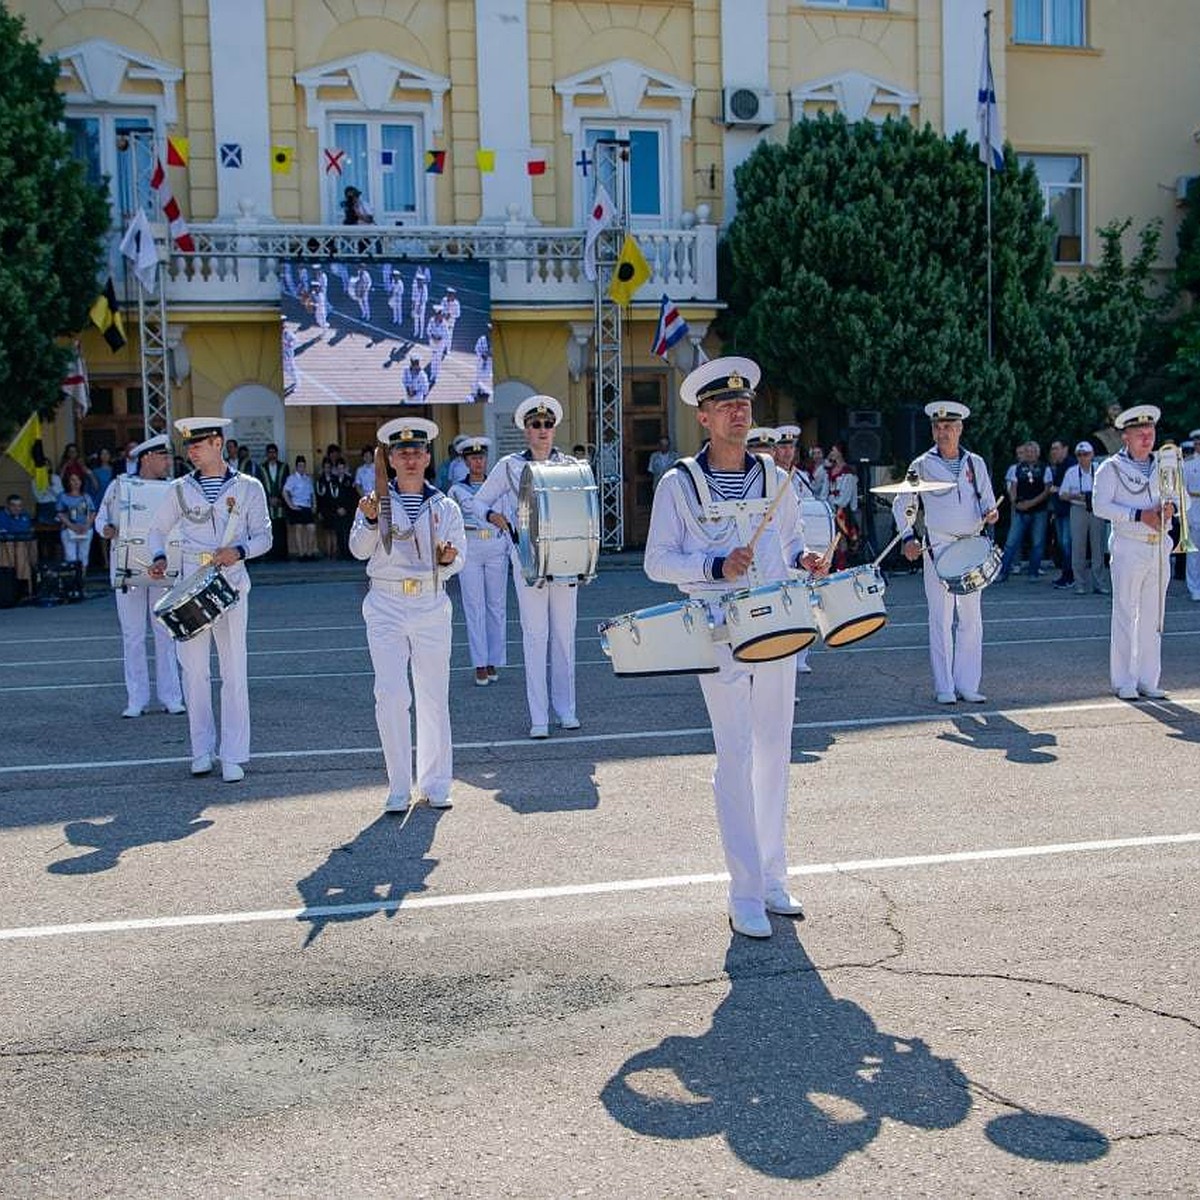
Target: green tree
[[52, 224], [1180, 398], [856, 275]]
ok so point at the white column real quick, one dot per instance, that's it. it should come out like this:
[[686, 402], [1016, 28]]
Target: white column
[[241, 110], [502, 58], [744, 63], [962, 52]]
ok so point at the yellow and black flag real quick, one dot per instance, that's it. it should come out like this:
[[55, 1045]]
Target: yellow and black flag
[[630, 273], [106, 316]]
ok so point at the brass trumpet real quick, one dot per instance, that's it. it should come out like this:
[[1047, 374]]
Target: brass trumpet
[[1171, 490]]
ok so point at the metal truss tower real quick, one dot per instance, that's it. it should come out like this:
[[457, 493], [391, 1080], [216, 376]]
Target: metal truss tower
[[612, 169], [155, 356]]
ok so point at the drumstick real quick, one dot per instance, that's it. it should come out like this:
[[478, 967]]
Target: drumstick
[[827, 554], [769, 513]]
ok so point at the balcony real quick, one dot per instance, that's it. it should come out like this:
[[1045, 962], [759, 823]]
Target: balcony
[[238, 263]]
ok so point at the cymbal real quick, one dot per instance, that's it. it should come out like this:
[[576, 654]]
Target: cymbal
[[904, 488]]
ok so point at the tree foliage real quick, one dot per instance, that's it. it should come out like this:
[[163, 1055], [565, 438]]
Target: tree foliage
[[856, 275], [1181, 395], [52, 223]]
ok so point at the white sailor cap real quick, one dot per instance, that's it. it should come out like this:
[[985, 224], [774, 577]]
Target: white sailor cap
[[761, 436], [729, 378], [407, 431], [1188, 446], [947, 410], [1139, 414], [195, 429], [1195, 435], [1084, 448], [787, 435], [158, 442], [537, 406], [471, 443]]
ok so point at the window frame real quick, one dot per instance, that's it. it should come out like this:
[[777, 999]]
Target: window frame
[[1047, 27], [335, 182], [1053, 188], [109, 118], [621, 129], [856, 5]]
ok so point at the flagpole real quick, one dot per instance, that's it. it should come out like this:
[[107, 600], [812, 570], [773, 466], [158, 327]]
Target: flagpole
[[987, 53]]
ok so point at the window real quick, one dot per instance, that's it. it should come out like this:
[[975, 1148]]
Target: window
[[118, 147], [876, 4], [380, 159], [647, 203], [1061, 177], [1049, 22]]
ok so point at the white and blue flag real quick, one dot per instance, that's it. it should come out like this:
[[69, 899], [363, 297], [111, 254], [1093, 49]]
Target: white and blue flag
[[991, 136]]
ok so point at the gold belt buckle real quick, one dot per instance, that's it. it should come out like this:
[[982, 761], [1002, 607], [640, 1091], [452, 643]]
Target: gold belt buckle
[[206, 558], [412, 587], [485, 533]]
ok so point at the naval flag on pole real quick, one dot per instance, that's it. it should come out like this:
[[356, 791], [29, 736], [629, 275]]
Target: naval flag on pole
[[991, 136], [672, 328]]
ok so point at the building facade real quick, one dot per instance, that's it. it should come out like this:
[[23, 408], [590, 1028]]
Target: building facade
[[473, 128]]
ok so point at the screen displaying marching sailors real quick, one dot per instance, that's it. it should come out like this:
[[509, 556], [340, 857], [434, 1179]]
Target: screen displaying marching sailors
[[376, 331]]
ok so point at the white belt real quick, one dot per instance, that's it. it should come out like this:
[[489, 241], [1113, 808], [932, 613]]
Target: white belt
[[483, 534], [406, 587]]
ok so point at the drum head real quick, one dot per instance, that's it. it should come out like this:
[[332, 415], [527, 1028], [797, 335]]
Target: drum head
[[771, 646], [855, 631], [961, 556]]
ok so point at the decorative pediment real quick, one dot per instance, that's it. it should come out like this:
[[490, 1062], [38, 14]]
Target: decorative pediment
[[854, 94], [375, 79], [624, 84], [100, 68]]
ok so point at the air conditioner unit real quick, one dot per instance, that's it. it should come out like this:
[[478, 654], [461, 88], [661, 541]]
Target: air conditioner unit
[[1182, 183], [754, 107]]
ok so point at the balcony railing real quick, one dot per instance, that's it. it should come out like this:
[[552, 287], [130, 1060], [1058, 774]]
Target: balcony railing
[[238, 263]]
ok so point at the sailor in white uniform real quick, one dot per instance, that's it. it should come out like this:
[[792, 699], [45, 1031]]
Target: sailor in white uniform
[[704, 514], [136, 601], [1191, 481], [547, 609], [955, 622], [484, 579], [411, 551], [222, 519], [1126, 493], [414, 381]]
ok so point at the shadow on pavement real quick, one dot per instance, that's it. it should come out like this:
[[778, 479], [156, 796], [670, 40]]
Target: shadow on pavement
[[995, 732]]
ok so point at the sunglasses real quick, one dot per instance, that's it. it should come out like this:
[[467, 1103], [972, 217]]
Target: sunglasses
[[549, 423]]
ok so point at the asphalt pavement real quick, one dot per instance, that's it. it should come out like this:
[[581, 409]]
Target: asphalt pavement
[[272, 989]]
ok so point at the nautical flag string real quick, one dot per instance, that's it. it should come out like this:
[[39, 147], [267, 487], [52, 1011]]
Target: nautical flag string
[[672, 328], [170, 209]]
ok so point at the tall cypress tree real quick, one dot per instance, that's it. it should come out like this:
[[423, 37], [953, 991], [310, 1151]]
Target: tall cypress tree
[[52, 224]]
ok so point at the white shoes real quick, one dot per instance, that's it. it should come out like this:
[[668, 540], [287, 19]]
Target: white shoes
[[174, 709], [946, 698], [973, 697], [133, 711], [1127, 693], [396, 804], [1152, 693], [537, 732], [202, 764], [749, 919], [570, 722], [781, 902], [440, 802], [232, 772], [804, 669]]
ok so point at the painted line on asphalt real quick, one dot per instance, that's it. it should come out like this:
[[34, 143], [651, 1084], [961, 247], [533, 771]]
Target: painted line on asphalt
[[944, 715], [334, 912]]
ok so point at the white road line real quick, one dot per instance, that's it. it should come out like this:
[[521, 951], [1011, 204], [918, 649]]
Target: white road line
[[609, 887], [942, 716]]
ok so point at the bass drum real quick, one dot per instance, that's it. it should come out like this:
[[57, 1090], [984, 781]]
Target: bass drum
[[817, 519], [558, 522], [130, 558]]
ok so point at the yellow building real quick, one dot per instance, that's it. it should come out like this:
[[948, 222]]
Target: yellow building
[[284, 103]]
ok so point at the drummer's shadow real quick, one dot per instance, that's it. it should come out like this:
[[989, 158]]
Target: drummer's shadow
[[1183, 723], [158, 822], [993, 731], [530, 788]]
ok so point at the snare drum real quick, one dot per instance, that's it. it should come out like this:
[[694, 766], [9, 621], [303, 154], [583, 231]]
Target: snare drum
[[968, 565], [848, 605], [558, 522], [669, 639], [194, 603], [769, 622]]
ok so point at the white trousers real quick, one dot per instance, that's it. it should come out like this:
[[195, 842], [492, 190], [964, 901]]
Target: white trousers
[[1135, 646], [750, 707], [548, 637], [404, 630], [1088, 532], [76, 547], [955, 635], [1193, 560], [134, 609], [483, 583], [229, 633]]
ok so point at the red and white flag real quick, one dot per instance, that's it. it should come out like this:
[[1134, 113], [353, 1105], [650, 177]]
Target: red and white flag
[[170, 208], [602, 212], [75, 383]]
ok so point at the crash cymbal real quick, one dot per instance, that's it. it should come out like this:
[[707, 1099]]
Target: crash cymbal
[[904, 487]]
